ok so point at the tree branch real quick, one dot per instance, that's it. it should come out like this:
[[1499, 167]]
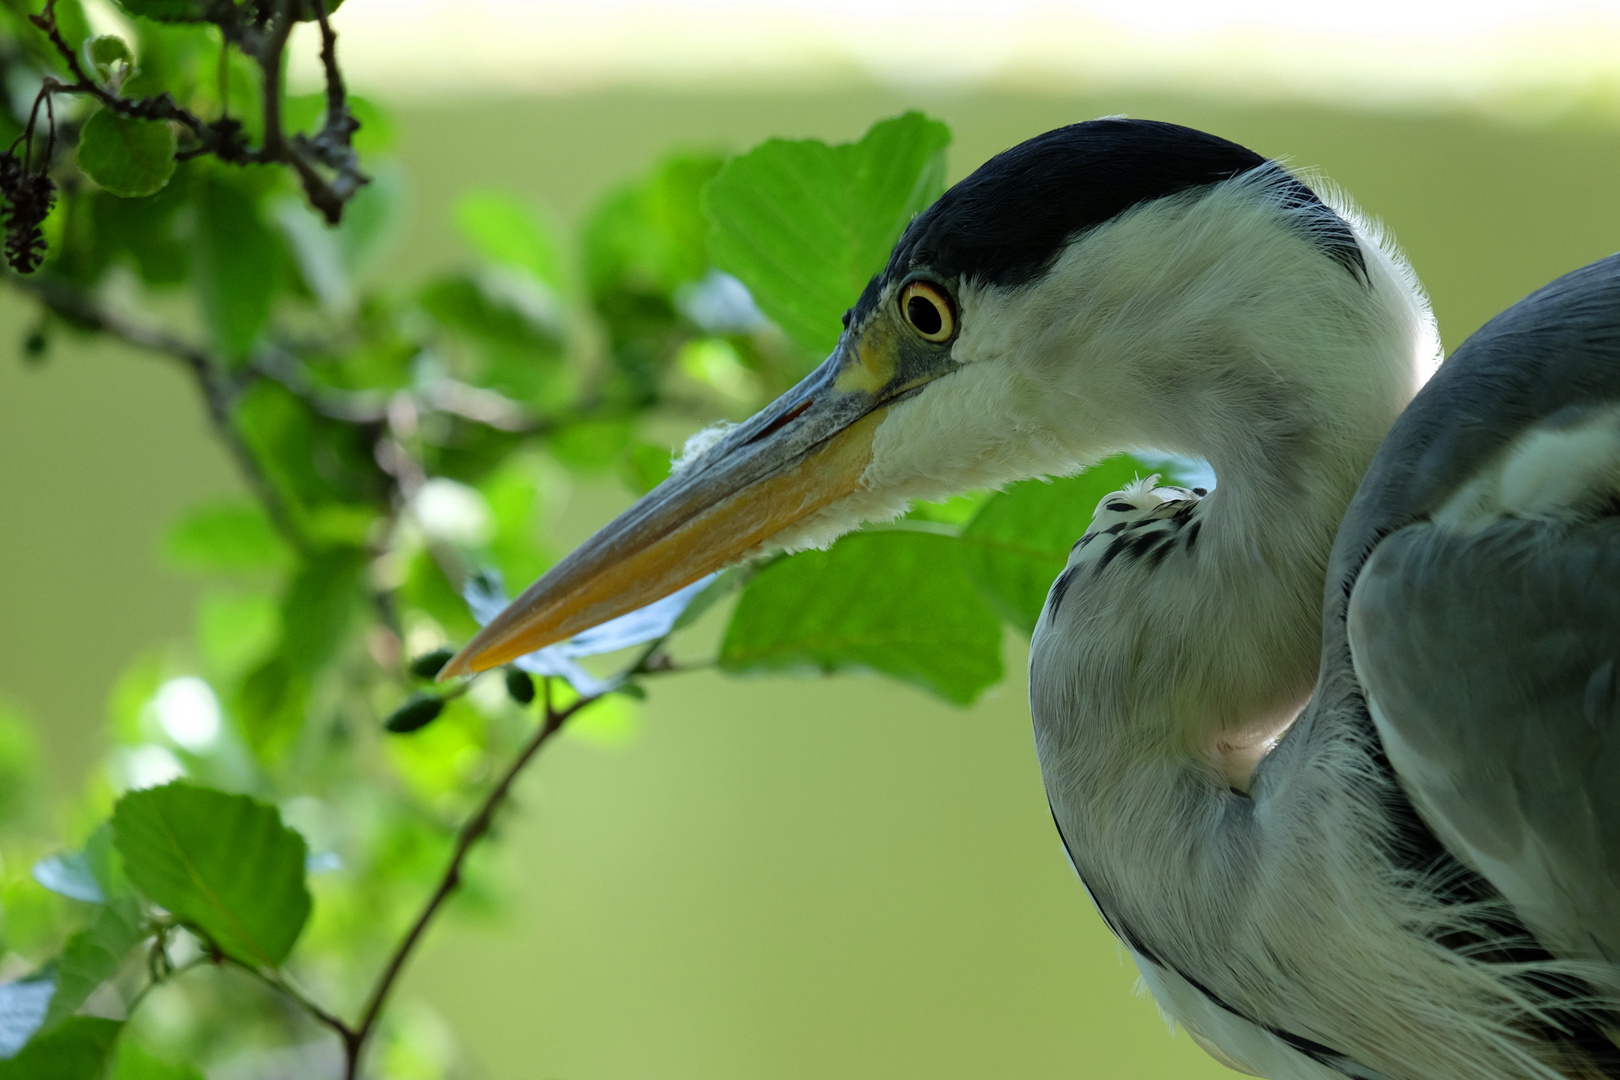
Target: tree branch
[[473, 831], [224, 138], [277, 982]]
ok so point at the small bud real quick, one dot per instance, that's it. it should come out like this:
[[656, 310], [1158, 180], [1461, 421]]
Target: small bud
[[631, 690], [35, 344], [428, 665], [519, 686], [417, 713]]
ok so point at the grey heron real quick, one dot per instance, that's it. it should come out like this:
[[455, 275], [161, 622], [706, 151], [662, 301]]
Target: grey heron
[[1334, 747]]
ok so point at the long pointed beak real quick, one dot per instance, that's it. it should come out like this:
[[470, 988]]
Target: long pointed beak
[[806, 450]]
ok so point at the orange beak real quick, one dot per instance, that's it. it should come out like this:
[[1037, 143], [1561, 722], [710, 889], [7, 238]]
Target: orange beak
[[803, 452]]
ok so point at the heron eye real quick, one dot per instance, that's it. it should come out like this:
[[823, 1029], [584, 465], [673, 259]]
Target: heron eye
[[928, 311]]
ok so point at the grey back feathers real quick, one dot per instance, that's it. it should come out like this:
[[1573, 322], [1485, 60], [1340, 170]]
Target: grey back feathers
[[1485, 623]]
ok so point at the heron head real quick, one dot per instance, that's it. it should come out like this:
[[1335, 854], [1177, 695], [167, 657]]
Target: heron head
[[946, 377]]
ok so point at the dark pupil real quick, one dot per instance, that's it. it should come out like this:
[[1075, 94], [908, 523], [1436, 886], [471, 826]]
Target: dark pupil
[[924, 315]]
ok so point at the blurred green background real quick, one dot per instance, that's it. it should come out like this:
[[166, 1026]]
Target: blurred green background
[[779, 877]]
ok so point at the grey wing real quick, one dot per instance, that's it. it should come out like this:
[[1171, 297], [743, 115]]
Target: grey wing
[[1478, 599], [1488, 656]]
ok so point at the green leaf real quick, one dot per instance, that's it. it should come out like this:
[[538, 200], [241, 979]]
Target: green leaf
[[71, 20], [126, 157], [167, 10], [1019, 541], [226, 536], [326, 468], [235, 630], [316, 611], [235, 263], [725, 583], [105, 864], [805, 225], [108, 55], [514, 328], [144, 231], [93, 955], [891, 601], [224, 864], [644, 466], [651, 235], [509, 232], [135, 1062], [77, 1049]]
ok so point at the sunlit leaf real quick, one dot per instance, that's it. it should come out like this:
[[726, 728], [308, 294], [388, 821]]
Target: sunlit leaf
[[651, 236], [126, 157], [644, 466], [107, 54], [91, 956], [507, 231], [23, 1005], [67, 873], [591, 444], [235, 629], [105, 863], [76, 1049], [1019, 540], [956, 510], [895, 602], [805, 225], [226, 536], [135, 1062], [222, 863]]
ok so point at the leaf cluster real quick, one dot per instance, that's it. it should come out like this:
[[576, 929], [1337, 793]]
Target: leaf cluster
[[292, 800], [142, 119]]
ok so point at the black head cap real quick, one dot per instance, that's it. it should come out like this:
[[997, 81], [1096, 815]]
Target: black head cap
[[1007, 221]]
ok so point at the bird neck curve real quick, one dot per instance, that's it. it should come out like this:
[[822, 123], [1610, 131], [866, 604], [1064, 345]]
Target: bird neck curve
[[1284, 371]]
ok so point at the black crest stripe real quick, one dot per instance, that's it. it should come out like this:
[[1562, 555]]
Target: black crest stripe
[[1006, 222]]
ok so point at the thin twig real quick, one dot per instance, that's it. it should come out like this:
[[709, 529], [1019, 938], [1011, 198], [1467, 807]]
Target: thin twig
[[153, 984], [277, 982], [225, 138], [474, 830]]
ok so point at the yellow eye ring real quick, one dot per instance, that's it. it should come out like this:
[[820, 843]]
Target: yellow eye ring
[[927, 310]]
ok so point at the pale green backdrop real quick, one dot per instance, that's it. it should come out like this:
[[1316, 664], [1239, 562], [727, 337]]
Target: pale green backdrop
[[777, 878]]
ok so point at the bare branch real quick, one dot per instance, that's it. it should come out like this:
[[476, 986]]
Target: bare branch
[[473, 831], [224, 138]]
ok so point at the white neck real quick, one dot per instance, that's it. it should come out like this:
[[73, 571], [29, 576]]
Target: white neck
[[1214, 333]]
